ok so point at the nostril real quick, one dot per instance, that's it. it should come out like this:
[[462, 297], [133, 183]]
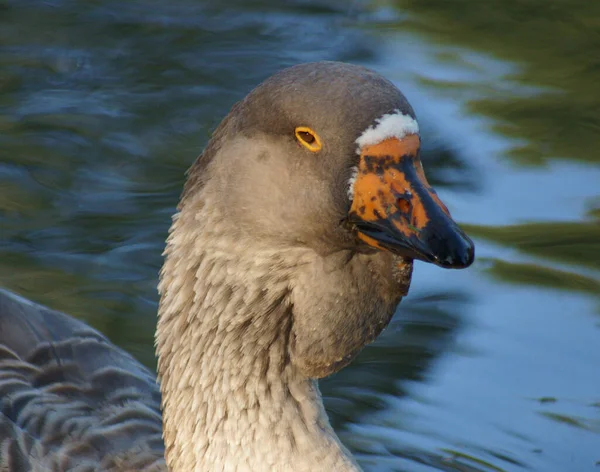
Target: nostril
[[404, 205]]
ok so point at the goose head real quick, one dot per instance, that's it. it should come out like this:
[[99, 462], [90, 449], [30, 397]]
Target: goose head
[[316, 176], [327, 155]]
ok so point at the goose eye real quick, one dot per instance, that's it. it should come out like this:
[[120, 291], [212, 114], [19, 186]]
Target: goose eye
[[308, 138]]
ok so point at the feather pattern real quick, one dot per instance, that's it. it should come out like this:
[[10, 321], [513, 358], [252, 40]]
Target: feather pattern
[[71, 400]]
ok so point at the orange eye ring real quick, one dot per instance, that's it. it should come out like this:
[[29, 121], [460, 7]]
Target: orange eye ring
[[308, 138]]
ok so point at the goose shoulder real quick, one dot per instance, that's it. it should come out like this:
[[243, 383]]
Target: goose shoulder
[[69, 399]]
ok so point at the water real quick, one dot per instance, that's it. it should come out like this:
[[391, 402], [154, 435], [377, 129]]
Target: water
[[105, 104]]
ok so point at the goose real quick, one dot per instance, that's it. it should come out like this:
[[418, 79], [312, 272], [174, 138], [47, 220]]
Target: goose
[[291, 247]]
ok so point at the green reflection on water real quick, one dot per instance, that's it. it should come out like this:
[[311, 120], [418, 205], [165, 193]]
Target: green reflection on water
[[457, 455], [576, 422], [574, 243], [553, 44], [534, 274], [570, 242]]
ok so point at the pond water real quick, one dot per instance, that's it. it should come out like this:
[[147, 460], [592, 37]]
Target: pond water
[[105, 104]]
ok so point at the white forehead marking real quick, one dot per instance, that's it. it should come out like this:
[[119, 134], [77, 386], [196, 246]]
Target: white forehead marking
[[393, 125], [351, 182]]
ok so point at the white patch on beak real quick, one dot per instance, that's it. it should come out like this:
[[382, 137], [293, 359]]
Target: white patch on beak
[[351, 182], [392, 125]]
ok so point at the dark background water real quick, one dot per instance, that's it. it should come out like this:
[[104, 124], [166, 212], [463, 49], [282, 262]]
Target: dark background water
[[104, 105]]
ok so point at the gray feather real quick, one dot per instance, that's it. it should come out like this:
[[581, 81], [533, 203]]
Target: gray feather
[[71, 400]]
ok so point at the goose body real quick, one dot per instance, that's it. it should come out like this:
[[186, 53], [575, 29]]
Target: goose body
[[291, 247], [70, 399]]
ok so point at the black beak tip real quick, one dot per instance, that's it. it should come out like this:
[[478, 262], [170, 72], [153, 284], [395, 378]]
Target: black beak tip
[[460, 254], [451, 249]]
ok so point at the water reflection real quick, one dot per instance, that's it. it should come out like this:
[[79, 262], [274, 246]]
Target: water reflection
[[417, 336], [556, 112]]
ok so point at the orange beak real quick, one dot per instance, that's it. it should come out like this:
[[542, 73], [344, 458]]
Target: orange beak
[[394, 208]]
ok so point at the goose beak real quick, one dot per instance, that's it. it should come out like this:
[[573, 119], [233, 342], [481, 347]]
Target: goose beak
[[394, 208]]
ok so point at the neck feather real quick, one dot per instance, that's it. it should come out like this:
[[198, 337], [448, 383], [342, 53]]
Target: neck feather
[[232, 400]]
